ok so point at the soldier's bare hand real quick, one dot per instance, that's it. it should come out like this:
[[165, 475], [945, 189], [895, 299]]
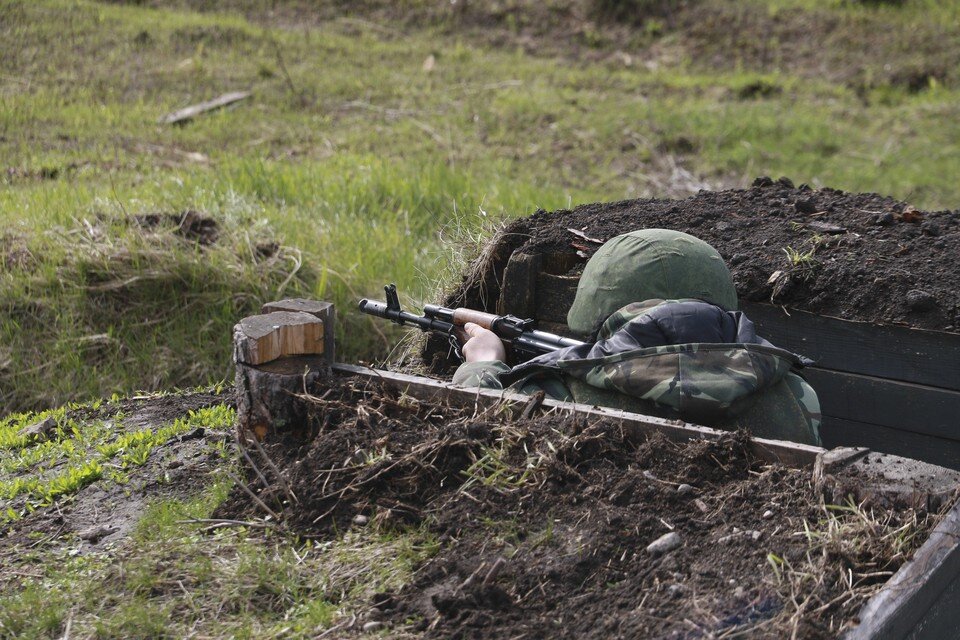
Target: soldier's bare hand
[[481, 345]]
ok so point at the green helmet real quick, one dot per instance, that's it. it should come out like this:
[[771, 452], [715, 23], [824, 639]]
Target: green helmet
[[649, 264]]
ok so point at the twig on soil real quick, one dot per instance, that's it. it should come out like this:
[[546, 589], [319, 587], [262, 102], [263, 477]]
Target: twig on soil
[[253, 496], [287, 489], [218, 523]]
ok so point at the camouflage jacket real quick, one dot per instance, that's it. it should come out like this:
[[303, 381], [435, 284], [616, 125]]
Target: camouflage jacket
[[684, 359]]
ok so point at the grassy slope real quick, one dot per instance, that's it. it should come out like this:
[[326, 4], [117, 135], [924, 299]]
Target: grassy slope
[[364, 142]]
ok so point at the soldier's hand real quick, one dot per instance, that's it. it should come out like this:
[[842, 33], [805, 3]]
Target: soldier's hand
[[481, 345]]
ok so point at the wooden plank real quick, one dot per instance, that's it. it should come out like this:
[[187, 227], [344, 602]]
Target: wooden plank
[[941, 619], [518, 296], [838, 432], [889, 403], [554, 297], [921, 599], [641, 426], [899, 353], [189, 113]]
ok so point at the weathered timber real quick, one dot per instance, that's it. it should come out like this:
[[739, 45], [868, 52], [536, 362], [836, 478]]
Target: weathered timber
[[897, 353], [900, 405], [266, 337], [838, 432], [279, 356], [325, 311], [515, 297], [922, 600], [186, 114], [634, 424], [882, 480], [268, 395]]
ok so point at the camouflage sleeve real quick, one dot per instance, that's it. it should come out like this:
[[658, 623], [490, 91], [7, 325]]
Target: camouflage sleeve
[[486, 375], [808, 401]]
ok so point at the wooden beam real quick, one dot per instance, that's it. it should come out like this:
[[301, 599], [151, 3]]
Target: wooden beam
[[899, 353], [838, 432], [189, 113], [889, 403], [636, 425], [922, 600], [518, 295]]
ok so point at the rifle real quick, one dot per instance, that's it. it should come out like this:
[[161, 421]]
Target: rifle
[[525, 341]]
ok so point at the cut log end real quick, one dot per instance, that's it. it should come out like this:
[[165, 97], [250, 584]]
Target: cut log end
[[279, 355]]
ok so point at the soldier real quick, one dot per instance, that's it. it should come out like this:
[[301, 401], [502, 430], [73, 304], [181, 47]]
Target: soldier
[[664, 338]]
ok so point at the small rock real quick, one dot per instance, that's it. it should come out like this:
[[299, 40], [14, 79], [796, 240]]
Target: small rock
[[805, 205], [665, 543], [756, 535], [360, 519], [737, 258], [738, 593], [885, 219], [930, 228], [684, 489], [700, 504], [919, 300], [373, 625], [95, 533], [767, 514], [722, 226], [41, 430], [174, 464], [826, 227], [675, 590], [649, 475]]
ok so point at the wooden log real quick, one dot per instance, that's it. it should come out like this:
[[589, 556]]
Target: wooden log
[[189, 113], [279, 357], [269, 396], [264, 338], [325, 311]]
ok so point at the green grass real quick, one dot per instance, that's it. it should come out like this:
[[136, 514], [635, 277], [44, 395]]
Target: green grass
[[361, 166], [38, 474], [172, 579]]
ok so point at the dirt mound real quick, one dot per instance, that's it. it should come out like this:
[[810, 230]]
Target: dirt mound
[[857, 256], [545, 524]]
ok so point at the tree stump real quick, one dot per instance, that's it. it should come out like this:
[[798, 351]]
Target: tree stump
[[280, 355]]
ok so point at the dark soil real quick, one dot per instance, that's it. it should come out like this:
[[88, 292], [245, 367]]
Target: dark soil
[[856, 256], [544, 523]]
